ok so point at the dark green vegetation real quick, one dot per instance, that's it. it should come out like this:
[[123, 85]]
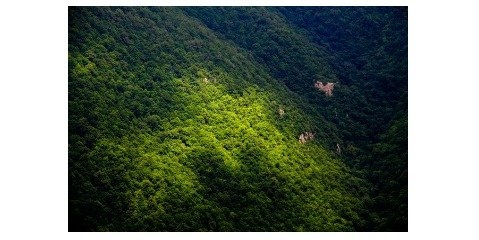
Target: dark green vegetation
[[174, 120]]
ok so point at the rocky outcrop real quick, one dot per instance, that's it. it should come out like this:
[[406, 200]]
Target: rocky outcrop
[[305, 137], [327, 89], [281, 112]]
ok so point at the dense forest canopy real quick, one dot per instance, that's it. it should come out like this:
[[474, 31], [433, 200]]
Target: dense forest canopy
[[213, 118]]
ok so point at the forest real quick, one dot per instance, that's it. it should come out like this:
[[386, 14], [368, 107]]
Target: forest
[[238, 119]]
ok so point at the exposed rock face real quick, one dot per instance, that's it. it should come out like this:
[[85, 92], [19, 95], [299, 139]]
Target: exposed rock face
[[327, 89], [305, 137], [281, 112]]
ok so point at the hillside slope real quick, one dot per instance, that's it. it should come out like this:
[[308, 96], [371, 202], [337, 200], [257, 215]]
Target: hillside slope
[[188, 119]]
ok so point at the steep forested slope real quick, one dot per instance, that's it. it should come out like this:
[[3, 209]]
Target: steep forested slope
[[187, 119], [369, 51], [368, 48]]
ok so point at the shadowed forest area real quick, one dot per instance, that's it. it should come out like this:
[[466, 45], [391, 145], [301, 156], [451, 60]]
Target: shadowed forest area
[[237, 119]]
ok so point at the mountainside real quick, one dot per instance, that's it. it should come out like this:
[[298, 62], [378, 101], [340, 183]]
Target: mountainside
[[213, 119]]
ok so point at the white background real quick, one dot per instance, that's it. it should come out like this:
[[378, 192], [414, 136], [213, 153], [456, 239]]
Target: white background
[[443, 131]]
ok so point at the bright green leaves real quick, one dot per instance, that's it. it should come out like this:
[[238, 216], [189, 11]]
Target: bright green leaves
[[174, 128]]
